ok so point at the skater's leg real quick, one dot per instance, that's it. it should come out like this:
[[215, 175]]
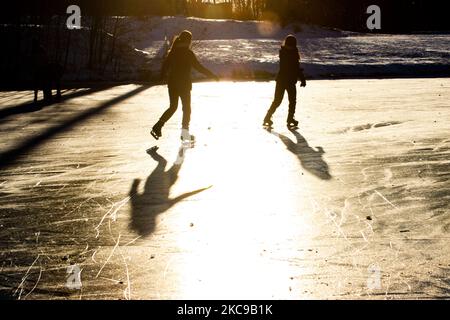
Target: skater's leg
[[36, 86], [185, 132], [186, 101], [47, 93], [278, 99], [174, 97], [58, 89], [292, 93], [59, 75]]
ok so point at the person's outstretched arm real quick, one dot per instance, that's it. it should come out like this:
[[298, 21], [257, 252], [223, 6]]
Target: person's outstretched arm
[[200, 68]]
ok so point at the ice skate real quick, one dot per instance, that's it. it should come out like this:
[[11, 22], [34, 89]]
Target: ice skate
[[292, 124], [187, 138], [267, 123], [156, 131]]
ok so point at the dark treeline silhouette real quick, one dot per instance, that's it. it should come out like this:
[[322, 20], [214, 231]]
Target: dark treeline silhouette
[[92, 53], [398, 15]]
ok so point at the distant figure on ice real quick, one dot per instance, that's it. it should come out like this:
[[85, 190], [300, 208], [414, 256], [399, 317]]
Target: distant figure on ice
[[178, 64], [47, 75], [290, 72]]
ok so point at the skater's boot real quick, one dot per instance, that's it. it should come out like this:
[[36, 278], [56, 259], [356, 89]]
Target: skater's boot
[[268, 121], [292, 123], [156, 130], [186, 136]]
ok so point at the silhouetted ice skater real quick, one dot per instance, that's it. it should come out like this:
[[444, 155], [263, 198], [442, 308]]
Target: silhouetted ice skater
[[178, 64], [290, 72], [46, 74]]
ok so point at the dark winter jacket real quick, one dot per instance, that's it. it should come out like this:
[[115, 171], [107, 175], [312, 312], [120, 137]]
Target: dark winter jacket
[[179, 64], [290, 70]]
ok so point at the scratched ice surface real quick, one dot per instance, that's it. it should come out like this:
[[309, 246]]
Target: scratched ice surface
[[355, 204]]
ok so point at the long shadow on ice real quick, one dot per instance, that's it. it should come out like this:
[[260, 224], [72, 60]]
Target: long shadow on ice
[[8, 157], [155, 199], [310, 158], [29, 107]]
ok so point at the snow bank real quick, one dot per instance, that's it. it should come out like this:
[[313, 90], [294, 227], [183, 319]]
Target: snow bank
[[249, 49], [157, 28]]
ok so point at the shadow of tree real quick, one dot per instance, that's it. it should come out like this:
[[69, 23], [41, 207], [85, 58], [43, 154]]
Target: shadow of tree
[[30, 107], [8, 157]]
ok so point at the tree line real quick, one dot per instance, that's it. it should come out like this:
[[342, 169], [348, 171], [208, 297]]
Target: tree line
[[398, 15]]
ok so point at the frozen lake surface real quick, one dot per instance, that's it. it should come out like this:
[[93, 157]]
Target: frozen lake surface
[[353, 205]]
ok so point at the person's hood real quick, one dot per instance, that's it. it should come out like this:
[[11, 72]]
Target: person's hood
[[289, 51], [285, 47], [181, 45]]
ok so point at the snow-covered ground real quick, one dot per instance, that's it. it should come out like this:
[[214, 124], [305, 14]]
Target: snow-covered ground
[[250, 49]]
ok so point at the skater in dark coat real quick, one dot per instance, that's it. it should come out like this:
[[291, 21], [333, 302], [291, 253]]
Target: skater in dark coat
[[290, 72], [178, 64], [46, 74]]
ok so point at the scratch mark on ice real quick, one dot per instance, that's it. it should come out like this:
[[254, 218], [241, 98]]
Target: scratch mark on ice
[[36, 284], [132, 241], [110, 255], [20, 286], [384, 198], [127, 291], [112, 213]]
